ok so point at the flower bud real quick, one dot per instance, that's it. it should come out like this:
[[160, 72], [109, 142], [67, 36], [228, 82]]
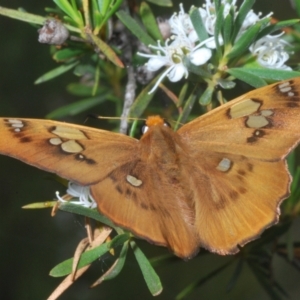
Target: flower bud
[[53, 32]]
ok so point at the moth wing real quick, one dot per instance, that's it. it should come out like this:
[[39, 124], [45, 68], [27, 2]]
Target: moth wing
[[128, 189], [141, 197], [263, 124], [239, 149], [235, 201], [78, 153]]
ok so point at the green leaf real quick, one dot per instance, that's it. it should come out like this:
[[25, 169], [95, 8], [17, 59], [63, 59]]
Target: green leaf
[[265, 281], [97, 19], [107, 50], [227, 28], [206, 97], [85, 69], [135, 28], [198, 70], [67, 8], [119, 240], [218, 28], [29, 18], [67, 53], [133, 128], [226, 84], [297, 5], [290, 245], [87, 212], [56, 72], [118, 266], [236, 274], [65, 267], [198, 24], [113, 7], [103, 6], [243, 75], [165, 259], [182, 94], [88, 257], [76, 107], [292, 163], [217, 4], [242, 13], [143, 99], [95, 12], [149, 21], [80, 89], [188, 106], [272, 74], [39, 205], [274, 27], [198, 282], [244, 42], [22, 16], [152, 280], [166, 3], [68, 20], [294, 198]]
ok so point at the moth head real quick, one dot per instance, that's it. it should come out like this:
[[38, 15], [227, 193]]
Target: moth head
[[154, 121]]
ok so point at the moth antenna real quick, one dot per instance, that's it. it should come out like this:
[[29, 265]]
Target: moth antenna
[[95, 116], [92, 116]]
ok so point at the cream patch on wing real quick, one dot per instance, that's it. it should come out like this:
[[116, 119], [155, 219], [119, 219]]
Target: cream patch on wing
[[134, 181], [16, 124], [67, 139], [250, 108], [244, 108], [224, 165]]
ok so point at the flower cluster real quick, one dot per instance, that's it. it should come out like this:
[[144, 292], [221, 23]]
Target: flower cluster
[[184, 44], [82, 193], [270, 52]]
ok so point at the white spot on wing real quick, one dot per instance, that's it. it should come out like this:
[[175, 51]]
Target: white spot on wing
[[15, 121], [286, 88], [244, 108], [133, 180], [266, 112], [257, 121], [16, 124], [55, 141], [69, 133], [71, 146], [283, 85], [224, 165]]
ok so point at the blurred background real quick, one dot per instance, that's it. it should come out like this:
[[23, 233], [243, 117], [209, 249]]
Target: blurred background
[[32, 242]]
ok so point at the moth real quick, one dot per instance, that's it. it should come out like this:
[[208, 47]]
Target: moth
[[216, 183]]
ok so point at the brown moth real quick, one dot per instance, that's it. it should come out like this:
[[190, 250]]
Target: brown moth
[[217, 182]]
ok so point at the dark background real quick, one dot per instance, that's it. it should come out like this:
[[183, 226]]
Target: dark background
[[32, 242]]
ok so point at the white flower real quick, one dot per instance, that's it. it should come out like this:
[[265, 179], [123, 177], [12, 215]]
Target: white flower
[[270, 52], [164, 27], [208, 14], [209, 17], [200, 56], [250, 19], [85, 199], [184, 47], [172, 55], [181, 24], [166, 56]]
